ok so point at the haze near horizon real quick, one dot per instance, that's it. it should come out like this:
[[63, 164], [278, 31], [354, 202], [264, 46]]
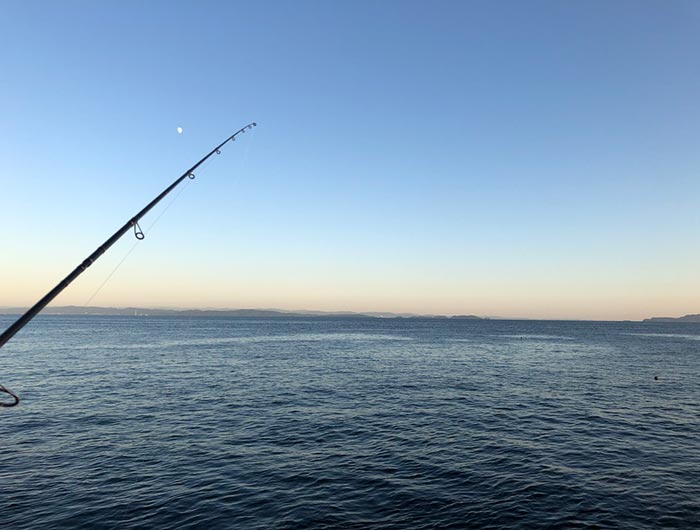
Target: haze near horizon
[[530, 160]]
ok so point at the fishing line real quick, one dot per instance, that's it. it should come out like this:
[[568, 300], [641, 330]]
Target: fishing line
[[248, 146], [202, 169], [150, 227], [146, 231], [242, 161], [109, 276]]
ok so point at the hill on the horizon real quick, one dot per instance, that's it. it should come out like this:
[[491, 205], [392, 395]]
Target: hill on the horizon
[[240, 313], [686, 318]]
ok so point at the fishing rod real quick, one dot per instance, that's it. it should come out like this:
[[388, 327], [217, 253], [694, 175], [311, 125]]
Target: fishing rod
[[138, 233]]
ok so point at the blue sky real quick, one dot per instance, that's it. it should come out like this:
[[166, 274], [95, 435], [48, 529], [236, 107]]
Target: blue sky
[[531, 159]]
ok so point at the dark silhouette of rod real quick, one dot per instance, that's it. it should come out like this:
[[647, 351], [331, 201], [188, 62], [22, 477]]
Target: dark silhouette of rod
[[132, 223]]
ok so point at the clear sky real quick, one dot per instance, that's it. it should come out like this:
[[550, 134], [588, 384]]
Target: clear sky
[[524, 159]]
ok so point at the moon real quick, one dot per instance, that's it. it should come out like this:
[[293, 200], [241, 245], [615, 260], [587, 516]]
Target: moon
[[179, 130]]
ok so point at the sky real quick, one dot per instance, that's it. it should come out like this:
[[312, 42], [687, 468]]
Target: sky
[[500, 158]]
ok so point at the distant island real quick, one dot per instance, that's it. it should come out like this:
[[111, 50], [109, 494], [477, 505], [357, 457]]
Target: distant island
[[239, 313], [686, 318]]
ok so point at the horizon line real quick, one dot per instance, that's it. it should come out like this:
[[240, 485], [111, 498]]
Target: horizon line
[[13, 310]]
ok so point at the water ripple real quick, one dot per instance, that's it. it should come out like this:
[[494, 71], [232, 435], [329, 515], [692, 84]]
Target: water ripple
[[230, 423]]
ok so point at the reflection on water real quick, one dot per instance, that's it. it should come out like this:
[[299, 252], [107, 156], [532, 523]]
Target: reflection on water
[[667, 335]]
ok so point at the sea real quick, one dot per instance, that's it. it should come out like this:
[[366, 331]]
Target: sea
[[350, 423]]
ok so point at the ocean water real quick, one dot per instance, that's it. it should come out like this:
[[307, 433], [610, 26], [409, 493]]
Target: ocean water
[[131, 422]]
